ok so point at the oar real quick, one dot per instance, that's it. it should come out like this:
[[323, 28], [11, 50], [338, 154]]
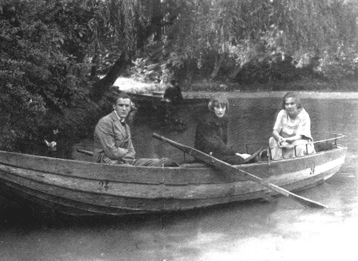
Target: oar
[[227, 167], [87, 152]]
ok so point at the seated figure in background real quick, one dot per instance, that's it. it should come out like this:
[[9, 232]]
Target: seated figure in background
[[173, 92], [172, 98], [291, 134]]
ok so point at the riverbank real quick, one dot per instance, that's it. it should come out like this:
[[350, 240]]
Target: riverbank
[[131, 86], [276, 94]]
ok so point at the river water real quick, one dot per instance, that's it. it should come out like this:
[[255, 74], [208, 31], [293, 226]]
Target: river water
[[278, 229]]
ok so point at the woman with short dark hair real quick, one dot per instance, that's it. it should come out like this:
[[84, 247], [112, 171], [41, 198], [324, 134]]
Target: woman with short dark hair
[[291, 134], [211, 133]]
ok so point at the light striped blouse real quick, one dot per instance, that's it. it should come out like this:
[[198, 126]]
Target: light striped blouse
[[288, 128]]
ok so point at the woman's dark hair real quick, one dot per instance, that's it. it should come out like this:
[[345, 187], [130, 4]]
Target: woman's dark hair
[[218, 100], [294, 96]]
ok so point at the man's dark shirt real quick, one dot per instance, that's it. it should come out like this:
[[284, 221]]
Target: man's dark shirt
[[173, 94]]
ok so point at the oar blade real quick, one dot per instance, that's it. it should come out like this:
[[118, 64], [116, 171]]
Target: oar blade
[[308, 203]]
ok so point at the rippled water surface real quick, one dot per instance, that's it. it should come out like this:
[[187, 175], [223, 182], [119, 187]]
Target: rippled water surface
[[280, 229]]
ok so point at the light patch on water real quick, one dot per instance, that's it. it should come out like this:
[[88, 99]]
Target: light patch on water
[[299, 241], [206, 238], [129, 85]]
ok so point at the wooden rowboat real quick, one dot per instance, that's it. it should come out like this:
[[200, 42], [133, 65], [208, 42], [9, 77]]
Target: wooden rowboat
[[86, 188]]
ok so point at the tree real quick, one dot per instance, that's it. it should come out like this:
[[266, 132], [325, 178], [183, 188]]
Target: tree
[[36, 75], [128, 26], [264, 31]]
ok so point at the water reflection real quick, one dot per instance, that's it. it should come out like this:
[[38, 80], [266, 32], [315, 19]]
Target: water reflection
[[280, 229]]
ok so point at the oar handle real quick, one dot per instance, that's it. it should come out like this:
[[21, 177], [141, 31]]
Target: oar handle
[[87, 152], [177, 145], [158, 137]]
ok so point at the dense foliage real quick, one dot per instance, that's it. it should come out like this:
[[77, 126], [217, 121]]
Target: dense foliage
[[53, 52], [232, 36], [37, 75]]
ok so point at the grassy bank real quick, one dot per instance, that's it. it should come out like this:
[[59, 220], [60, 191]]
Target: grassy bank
[[204, 89]]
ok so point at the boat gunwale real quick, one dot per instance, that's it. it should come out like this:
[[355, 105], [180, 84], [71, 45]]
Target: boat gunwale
[[161, 175], [339, 147], [105, 192]]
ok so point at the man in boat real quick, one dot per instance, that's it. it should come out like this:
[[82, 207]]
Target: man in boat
[[112, 137], [211, 134], [291, 134]]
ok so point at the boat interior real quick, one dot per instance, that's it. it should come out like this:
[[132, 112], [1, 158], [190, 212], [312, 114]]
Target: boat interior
[[326, 143]]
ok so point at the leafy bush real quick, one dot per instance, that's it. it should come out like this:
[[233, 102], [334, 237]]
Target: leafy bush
[[144, 71], [35, 75]]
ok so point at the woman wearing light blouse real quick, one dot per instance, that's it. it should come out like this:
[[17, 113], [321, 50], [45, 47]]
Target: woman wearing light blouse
[[291, 134]]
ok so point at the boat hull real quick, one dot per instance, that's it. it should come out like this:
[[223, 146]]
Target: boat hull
[[86, 188]]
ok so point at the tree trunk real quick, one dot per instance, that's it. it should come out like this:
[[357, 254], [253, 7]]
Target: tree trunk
[[236, 72], [240, 67], [100, 87], [218, 61], [95, 61]]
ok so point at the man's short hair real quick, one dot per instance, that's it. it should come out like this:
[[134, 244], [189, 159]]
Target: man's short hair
[[123, 95], [116, 94]]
